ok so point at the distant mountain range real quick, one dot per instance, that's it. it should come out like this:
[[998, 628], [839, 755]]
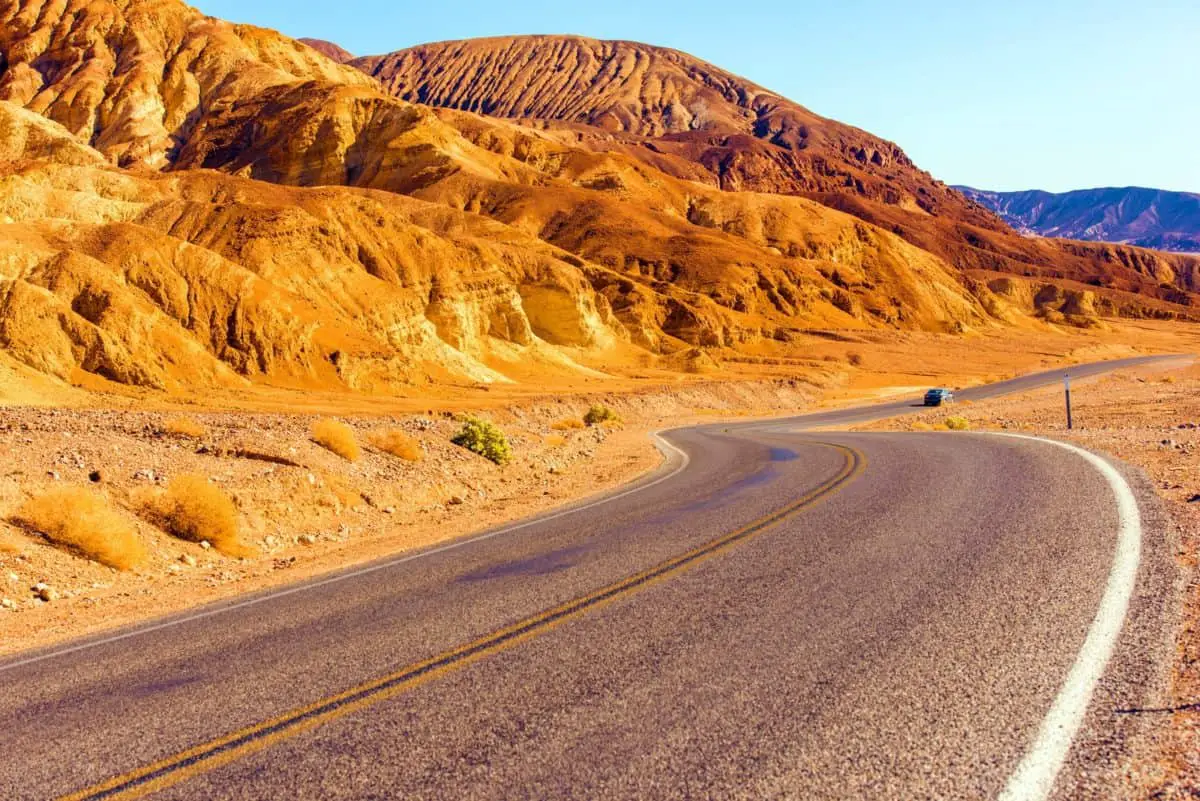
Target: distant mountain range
[[1149, 218]]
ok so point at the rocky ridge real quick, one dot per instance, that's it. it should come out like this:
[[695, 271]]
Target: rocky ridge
[[693, 120], [188, 202]]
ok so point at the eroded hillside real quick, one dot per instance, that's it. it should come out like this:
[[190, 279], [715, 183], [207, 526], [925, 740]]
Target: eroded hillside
[[197, 278], [744, 136], [696, 121], [190, 203]]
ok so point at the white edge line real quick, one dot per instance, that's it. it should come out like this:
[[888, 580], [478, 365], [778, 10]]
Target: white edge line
[[1034, 777], [665, 447]]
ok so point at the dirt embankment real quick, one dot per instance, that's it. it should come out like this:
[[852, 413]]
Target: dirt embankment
[[301, 509], [1148, 417]]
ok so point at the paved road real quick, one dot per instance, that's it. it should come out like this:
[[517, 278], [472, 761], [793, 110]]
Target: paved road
[[777, 614]]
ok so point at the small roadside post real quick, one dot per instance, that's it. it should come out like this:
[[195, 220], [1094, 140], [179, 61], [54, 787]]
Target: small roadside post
[[1067, 385]]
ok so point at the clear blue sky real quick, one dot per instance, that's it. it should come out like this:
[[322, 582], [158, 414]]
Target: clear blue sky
[[1013, 94]]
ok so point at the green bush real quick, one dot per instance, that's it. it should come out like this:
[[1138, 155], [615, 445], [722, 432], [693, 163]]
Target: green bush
[[600, 414], [485, 439], [958, 423]]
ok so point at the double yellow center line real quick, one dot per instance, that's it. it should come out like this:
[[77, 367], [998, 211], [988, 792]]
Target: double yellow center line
[[243, 742]]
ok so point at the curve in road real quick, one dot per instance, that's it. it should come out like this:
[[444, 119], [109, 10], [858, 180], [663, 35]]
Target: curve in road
[[904, 637]]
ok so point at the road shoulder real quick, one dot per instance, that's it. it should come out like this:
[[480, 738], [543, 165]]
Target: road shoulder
[[1143, 728]]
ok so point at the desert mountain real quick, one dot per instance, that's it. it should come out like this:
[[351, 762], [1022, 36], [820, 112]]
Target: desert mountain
[[669, 103], [188, 202], [133, 78], [690, 119], [1149, 218], [196, 278]]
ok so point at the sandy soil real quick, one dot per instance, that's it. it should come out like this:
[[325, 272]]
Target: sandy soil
[[303, 510], [1149, 417]]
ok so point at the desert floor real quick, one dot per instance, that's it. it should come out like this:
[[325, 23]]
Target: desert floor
[[303, 510]]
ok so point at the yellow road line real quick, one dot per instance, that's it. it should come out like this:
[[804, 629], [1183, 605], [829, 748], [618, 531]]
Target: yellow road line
[[243, 742]]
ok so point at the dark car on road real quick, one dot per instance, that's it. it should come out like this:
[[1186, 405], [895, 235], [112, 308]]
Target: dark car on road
[[936, 397]]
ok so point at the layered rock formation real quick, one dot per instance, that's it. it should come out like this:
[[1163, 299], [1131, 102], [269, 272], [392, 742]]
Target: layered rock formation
[[187, 202], [745, 137], [190, 279], [693, 120], [133, 78]]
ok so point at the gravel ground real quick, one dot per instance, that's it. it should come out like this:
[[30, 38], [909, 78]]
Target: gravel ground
[[302, 509]]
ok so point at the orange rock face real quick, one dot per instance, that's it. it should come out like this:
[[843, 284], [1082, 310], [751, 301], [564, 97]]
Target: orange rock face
[[134, 77], [696, 121], [744, 136], [186, 202]]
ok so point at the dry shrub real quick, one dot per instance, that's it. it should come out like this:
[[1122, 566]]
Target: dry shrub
[[855, 359], [184, 427], [599, 415], [567, 424], [957, 423], [83, 520], [194, 509], [336, 437], [921, 426], [397, 443], [1170, 379], [555, 441]]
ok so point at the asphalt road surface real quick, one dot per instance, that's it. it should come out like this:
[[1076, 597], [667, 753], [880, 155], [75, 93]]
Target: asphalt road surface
[[774, 614]]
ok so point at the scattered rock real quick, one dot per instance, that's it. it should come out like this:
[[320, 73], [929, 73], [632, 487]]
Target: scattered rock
[[205, 544], [45, 592], [389, 510], [8, 603], [306, 539], [145, 475], [455, 500], [95, 476], [188, 559], [269, 541], [53, 475], [1194, 498]]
